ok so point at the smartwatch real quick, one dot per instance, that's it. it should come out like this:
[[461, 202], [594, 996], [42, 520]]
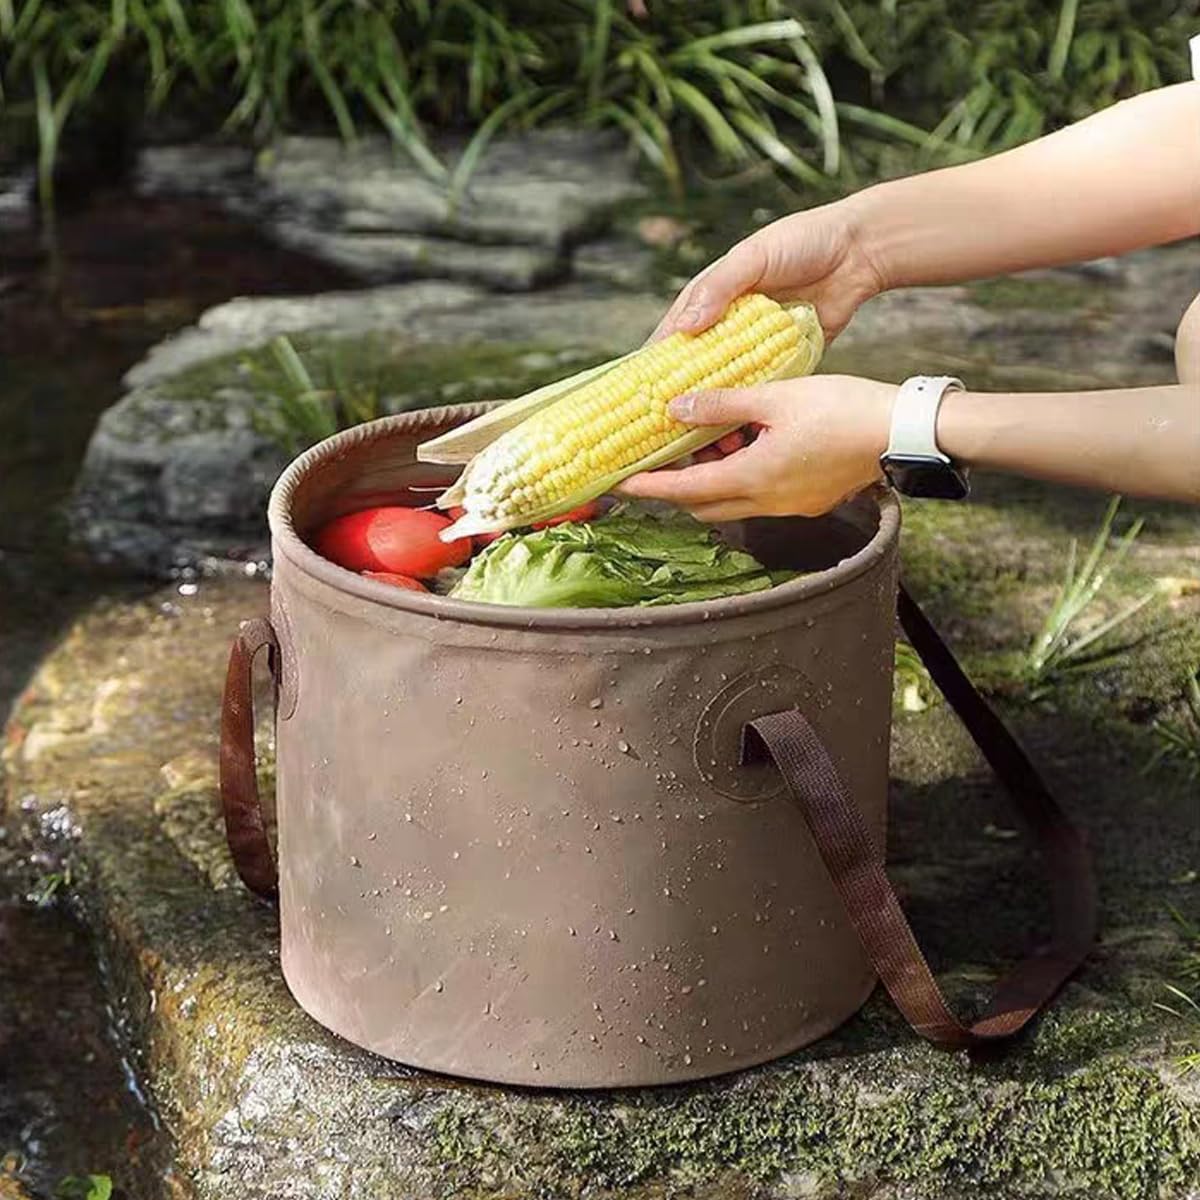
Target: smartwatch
[[912, 463]]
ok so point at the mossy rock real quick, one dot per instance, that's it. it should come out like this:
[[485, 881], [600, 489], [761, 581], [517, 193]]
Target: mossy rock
[[179, 470], [1091, 1103]]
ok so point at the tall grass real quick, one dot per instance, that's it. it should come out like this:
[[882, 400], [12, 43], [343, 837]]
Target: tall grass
[[1062, 648], [775, 81]]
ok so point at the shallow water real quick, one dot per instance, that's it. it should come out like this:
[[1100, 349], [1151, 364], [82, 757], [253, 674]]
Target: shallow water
[[130, 272]]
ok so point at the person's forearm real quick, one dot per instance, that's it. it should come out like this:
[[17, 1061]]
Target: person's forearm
[[1125, 178], [1140, 441]]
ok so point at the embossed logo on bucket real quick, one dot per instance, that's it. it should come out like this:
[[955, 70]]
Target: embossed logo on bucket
[[717, 743]]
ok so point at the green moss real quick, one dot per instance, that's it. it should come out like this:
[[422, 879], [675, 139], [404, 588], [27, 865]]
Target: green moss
[[397, 373], [1108, 1130], [1066, 1037]]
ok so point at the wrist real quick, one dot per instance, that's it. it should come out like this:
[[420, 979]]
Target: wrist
[[864, 213], [873, 426], [966, 427]]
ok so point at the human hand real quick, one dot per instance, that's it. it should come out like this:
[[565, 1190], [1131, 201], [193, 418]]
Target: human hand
[[816, 255], [819, 441]]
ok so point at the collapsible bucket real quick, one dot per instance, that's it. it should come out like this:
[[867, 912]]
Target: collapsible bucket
[[595, 847]]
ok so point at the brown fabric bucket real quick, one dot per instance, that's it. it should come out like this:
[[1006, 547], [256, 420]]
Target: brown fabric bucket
[[589, 848]]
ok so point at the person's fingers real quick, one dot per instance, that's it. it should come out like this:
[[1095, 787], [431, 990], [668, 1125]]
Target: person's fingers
[[705, 483], [725, 510], [722, 406], [705, 298], [731, 443]]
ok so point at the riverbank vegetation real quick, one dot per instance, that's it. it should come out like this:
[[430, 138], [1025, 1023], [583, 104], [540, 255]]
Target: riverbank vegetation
[[827, 92]]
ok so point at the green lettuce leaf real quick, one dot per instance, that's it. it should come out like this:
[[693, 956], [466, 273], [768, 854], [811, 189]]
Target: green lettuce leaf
[[631, 557]]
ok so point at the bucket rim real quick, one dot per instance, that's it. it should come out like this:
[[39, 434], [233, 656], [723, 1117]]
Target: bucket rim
[[287, 544]]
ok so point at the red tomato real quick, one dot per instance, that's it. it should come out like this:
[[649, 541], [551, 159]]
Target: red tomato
[[400, 581], [585, 512], [401, 541], [485, 539]]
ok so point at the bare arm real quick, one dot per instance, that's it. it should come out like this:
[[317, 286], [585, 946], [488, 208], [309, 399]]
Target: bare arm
[[1140, 441], [820, 440], [1125, 178]]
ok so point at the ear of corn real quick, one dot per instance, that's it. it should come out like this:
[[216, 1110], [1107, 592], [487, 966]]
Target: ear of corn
[[562, 445]]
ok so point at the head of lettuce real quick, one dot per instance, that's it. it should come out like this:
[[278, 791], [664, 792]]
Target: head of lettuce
[[631, 557]]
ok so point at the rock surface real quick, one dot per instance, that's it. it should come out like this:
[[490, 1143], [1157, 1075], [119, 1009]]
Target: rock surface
[[371, 211], [545, 188], [115, 740], [16, 200], [180, 468]]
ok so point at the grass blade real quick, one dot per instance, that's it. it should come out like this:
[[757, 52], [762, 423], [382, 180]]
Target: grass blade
[[598, 51], [758, 128], [746, 35], [473, 151], [822, 94], [721, 134]]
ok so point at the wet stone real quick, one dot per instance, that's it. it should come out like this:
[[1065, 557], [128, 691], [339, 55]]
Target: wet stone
[[371, 211], [179, 469]]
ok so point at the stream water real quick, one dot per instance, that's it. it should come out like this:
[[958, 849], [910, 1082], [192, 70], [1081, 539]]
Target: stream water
[[129, 271]]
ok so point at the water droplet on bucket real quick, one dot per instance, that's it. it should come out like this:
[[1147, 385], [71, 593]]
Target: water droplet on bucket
[[437, 987], [354, 861], [596, 703]]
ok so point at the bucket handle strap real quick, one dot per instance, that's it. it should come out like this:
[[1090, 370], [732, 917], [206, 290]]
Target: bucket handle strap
[[857, 866], [245, 827]]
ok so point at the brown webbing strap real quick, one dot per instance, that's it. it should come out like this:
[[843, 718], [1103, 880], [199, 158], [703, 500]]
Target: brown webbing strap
[[245, 829], [857, 865]]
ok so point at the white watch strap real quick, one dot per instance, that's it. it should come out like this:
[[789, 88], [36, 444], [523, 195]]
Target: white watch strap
[[914, 415]]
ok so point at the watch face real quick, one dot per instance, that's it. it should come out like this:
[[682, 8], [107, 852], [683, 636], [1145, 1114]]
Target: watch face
[[926, 478]]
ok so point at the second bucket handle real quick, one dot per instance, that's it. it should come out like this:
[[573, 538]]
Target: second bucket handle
[[856, 863], [245, 826]]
